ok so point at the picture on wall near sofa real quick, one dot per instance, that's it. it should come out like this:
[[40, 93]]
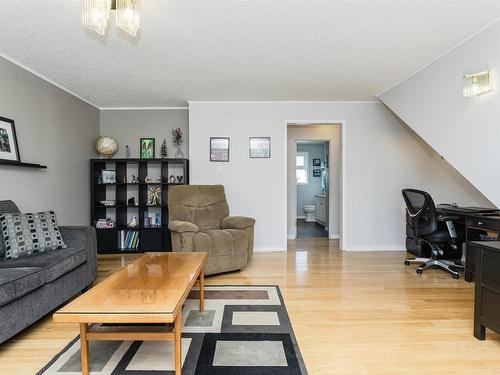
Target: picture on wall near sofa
[[219, 149], [8, 141]]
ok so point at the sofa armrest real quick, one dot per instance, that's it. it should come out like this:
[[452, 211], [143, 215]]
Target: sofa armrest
[[84, 237], [182, 226], [237, 222]]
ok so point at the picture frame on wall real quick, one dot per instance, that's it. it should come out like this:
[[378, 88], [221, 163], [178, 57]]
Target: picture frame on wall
[[147, 148], [219, 149], [316, 162], [316, 172], [9, 149], [260, 147]]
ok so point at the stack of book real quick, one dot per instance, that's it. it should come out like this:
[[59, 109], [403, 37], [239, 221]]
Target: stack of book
[[104, 223], [129, 240]]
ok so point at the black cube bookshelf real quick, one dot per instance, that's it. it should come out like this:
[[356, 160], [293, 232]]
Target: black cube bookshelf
[[150, 237]]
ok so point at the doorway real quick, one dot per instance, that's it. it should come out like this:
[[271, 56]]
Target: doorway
[[322, 179], [312, 188]]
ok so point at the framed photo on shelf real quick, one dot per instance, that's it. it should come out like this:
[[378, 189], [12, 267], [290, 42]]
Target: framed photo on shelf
[[147, 148], [219, 149], [108, 176], [260, 147], [9, 149], [316, 162]]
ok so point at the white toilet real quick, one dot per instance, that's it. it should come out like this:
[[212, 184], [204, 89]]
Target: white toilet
[[310, 211]]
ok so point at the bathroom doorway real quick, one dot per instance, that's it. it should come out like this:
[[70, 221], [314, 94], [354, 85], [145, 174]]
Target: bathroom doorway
[[311, 172], [314, 180]]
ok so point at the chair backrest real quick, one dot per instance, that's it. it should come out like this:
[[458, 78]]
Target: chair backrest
[[421, 210], [203, 205]]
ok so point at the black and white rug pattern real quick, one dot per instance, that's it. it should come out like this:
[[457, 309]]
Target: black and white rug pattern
[[243, 330]]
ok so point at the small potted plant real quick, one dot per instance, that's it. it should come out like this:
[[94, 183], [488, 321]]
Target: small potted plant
[[177, 140]]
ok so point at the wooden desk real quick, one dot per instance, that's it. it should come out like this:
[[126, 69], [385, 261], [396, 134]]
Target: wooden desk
[[150, 290], [487, 295], [474, 226]]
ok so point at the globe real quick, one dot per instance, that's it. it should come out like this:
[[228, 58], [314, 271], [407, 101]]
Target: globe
[[106, 146]]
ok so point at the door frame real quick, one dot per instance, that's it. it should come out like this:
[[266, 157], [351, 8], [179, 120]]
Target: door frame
[[343, 182]]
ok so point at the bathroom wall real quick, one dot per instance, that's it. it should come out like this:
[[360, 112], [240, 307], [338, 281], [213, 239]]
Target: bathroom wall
[[306, 193]]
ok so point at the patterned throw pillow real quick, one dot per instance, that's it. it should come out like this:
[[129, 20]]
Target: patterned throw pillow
[[32, 233]]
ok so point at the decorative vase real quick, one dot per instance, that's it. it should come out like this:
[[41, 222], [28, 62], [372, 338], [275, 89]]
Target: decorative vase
[[178, 153]]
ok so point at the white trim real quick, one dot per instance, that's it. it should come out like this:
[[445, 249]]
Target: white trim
[[287, 101], [334, 237], [343, 176], [41, 76], [374, 248], [263, 249], [140, 108], [299, 217], [292, 237], [487, 26]]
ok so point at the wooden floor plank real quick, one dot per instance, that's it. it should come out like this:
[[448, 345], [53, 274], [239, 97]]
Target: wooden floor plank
[[353, 313]]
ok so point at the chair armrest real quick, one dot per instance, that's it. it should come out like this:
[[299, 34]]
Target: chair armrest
[[84, 237], [447, 218], [237, 222], [182, 226]]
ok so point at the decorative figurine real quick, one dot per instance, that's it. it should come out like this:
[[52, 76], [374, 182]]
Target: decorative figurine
[[132, 223], [179, 179], [171, 179], [154, 196], [135, 180], [127, 151], [164, 149], [124, 179], [131, 201]]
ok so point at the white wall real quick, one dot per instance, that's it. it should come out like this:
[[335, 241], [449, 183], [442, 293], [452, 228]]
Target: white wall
[[127, 126], [330, 132], [465, 131], [306, 192], [382, 158], [53, 128]]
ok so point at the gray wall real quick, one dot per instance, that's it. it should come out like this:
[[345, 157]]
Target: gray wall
[[53, 128], [127, 126], [306, 193]]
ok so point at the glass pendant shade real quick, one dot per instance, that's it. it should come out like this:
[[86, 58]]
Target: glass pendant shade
[[477, 84], [95, 15], [127, 16]]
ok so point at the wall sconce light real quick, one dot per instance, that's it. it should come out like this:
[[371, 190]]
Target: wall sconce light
[[477, 84]]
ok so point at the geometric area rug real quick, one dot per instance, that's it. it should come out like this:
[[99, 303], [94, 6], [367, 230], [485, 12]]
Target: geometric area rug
[[244, 330]]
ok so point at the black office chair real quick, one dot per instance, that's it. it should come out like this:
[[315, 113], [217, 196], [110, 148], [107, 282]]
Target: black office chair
[[428, 228]]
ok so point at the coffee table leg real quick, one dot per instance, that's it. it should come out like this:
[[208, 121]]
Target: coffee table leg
[[177, 343], [84, 348], [202, 291]]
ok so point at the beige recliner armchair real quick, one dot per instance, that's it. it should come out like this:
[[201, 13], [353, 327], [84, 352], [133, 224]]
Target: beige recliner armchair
[[200, 221]]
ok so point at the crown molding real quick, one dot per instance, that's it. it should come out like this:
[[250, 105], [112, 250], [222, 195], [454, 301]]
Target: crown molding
[[46, 79], [286, 101], [140, 108]]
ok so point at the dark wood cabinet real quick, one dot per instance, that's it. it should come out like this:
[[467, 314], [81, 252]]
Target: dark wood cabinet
[[150, 237], [487, 288]]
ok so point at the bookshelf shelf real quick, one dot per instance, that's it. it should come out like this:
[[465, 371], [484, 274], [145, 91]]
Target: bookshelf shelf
[[150, 238]]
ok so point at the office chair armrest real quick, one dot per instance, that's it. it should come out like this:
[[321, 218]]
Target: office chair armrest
[[447, 218]]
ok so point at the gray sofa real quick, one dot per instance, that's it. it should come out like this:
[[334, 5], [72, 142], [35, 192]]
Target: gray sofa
[[33, 286]]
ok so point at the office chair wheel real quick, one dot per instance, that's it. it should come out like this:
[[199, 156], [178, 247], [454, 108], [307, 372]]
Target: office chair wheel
[[455, 276], [407, 263], [419, 271]]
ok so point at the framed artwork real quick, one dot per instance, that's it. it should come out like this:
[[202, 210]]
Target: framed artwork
[[219, 149], [316, 172], [9, 149], [316, 162], [147, 148], [109, 176], [260, 147]]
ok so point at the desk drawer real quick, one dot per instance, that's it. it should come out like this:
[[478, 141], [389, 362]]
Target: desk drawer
[[485, 224], [490, 263]]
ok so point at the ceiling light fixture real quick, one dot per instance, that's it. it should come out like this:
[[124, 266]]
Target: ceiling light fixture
[[96, 14]]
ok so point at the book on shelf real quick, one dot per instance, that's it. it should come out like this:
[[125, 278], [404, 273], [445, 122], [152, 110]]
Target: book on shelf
[[104, 223], [129, 240]]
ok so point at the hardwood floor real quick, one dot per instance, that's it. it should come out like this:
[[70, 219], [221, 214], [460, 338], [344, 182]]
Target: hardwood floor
[[352, 313]]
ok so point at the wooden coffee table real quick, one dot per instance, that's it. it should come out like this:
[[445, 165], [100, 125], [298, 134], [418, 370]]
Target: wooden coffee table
[[152, 289]]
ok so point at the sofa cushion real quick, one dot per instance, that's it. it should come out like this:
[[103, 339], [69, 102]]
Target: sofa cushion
[[26, 234], [53, 263], [9, 207], [16, 282]]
